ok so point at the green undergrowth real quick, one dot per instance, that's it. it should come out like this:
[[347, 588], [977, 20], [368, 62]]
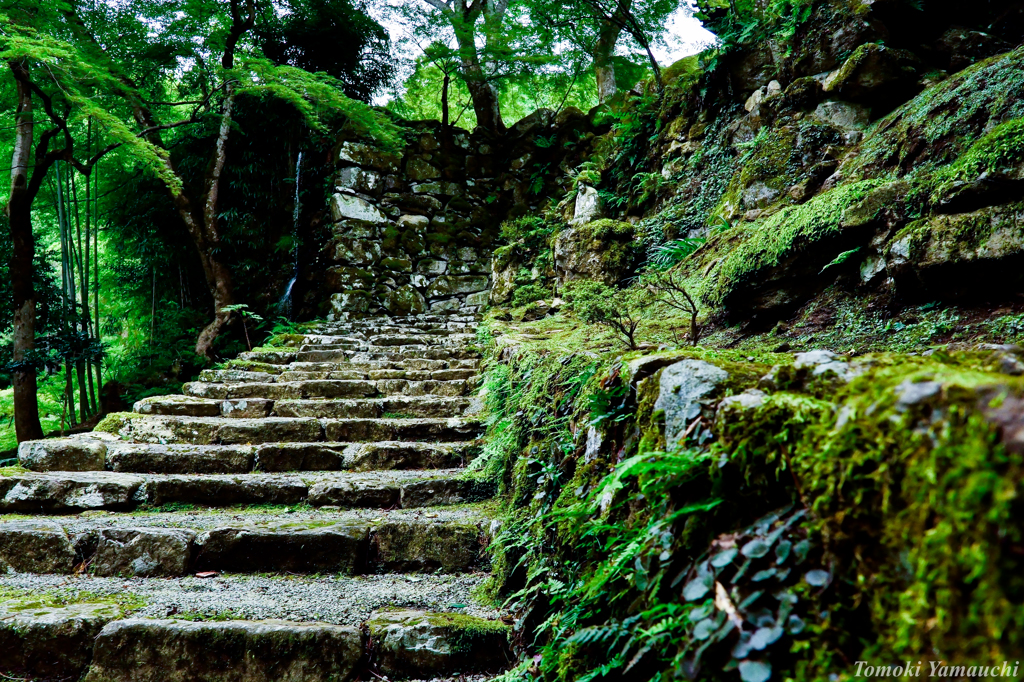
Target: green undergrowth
[[823, 523]]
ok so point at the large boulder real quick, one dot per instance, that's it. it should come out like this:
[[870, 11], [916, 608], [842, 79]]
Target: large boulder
[[875, 75]]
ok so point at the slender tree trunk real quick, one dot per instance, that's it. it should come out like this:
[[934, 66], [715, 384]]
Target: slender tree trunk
[[19, 205], [218, 273], [444, 99]]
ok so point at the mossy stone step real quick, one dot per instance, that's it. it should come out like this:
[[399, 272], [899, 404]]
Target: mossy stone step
[[64, 492], [212, 430], [169, 545], [51, 641]]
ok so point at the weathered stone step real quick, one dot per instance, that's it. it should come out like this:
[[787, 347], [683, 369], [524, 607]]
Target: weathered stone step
[[334, 389], [219, 431], [377, 374], [64, 641], [412, 363], [270, 541], [216, 431], [191, 406], [386, 354], [374, 408], [143, 650], [336, 599], [68, 492], [90, 453], [321, 388], [423, 429]]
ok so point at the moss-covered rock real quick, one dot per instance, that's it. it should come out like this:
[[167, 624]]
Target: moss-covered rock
[[600, 250], [418, 643]]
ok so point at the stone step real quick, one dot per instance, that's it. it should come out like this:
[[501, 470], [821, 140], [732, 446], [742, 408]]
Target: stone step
[[275, 540], [300, 630], [165, 430], [141, 428], [304, 390], [86, 453], [422, 429], [375, 408], [69, 492], [320, 388], [190, 406], [377, 374], [386, 354]]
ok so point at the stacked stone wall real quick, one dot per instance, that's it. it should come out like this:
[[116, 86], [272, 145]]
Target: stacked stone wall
[[413, 231]]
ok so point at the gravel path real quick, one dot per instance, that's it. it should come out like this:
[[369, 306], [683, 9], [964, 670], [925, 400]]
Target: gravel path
[[337, 600]]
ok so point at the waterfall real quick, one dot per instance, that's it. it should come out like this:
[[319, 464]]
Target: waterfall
[[285, 306]]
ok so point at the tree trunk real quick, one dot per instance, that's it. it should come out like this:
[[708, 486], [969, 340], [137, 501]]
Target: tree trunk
[[481, 91], [19, 205], [604, 68]]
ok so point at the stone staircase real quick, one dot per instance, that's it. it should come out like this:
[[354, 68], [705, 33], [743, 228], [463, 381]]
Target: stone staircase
[[300, 516]]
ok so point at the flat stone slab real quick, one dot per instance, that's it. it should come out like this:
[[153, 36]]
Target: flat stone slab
[[50, 641], [148, 650]]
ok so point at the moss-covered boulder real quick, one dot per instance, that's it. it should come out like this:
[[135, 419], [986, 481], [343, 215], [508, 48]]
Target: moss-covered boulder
[[599, 250]]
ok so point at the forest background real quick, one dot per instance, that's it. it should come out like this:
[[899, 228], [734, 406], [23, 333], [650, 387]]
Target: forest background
[[166, 179]]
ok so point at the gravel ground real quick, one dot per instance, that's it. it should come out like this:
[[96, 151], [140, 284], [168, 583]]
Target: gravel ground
[[205, 519], [337, 600]]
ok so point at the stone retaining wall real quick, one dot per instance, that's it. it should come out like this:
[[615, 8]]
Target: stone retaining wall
[[413, 232]]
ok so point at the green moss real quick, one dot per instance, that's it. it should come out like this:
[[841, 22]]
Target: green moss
[[468, 633], [114, 422], [937, 126], [919, 507], [285, 341], [788, 232], [252, 366], [1002, 148], [17, 600]]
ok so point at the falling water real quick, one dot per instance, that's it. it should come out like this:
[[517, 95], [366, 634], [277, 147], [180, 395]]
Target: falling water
[[285, 304]]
